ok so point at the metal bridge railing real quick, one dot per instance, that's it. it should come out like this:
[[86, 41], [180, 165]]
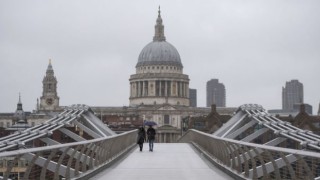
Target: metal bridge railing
[[71, 160], [256, 161]]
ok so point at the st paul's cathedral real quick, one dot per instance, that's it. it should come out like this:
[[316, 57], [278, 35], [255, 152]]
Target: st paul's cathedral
[[159, 91]]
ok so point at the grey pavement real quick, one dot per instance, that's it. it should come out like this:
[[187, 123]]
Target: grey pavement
[[168, 161]]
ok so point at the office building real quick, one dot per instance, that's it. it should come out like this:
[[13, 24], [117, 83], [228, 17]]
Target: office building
[[193, 97], [292, 94], [216, 93]]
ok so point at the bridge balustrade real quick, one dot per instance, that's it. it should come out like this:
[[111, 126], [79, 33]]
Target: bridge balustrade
[[71, 160], [255, 161]]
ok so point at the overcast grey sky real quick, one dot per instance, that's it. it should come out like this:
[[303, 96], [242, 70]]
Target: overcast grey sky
[[251, 46]]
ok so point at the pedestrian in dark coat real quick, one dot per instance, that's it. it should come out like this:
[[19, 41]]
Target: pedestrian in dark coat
[[141, 137], [151, 137]]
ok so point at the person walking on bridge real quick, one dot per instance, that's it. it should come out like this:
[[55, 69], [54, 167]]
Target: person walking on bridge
[[141, 137], [151, 137]]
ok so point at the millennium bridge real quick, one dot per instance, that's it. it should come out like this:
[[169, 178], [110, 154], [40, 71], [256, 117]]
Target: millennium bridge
[[251, 145]]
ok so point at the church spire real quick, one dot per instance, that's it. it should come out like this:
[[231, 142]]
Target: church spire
[[159, 29], [49, 99], [49, 66], [19, 105], [19, 98], [19, 115]]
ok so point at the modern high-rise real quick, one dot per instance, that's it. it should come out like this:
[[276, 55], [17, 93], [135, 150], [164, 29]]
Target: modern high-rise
[[292, 94], [193, 97], [216, 93]]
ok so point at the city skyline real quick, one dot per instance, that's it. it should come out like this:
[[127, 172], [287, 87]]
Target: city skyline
[[253, 48]]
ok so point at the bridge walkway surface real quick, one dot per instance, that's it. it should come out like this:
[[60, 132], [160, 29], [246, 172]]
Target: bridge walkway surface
[[168, 161]]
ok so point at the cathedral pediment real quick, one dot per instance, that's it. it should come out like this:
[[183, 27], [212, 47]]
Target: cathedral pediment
[[167, 107]]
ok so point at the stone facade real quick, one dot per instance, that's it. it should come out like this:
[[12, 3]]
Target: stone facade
[[159, 77], [7, 119], [159, 91], [20, 120], [159, 88], [168, 117], [49, 101]]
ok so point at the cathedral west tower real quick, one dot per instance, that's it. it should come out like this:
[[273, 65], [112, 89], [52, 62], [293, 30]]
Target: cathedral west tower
[[49, 101], [159, 77]]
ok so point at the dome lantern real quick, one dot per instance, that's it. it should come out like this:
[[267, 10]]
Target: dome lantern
[[159, 29], [159, 77], [159, 51]]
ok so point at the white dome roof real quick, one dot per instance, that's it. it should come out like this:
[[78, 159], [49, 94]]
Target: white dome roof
[[159, 53]]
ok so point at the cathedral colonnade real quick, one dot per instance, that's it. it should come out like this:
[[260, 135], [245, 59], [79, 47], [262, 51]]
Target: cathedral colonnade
[[159, 77], [151, 88]]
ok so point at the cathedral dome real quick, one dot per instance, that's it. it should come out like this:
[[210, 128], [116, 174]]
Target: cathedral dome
[[159, 52], [159, 77]]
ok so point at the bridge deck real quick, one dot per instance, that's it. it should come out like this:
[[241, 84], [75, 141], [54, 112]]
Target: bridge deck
[[167, 161]]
